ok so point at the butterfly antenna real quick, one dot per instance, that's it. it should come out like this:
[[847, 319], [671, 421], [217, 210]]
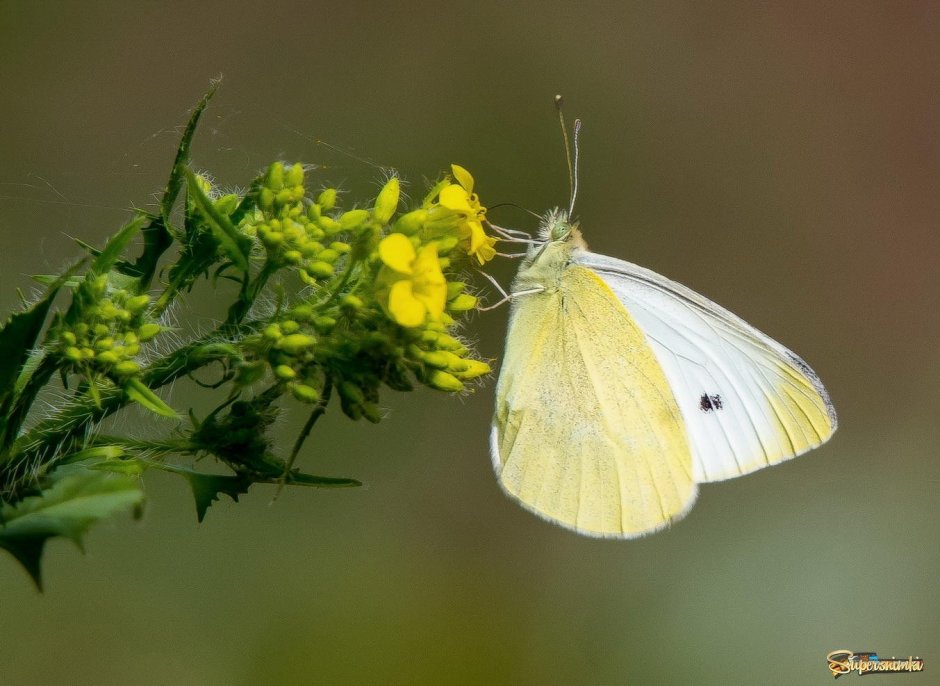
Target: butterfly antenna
[[577, 156], [572, 179]]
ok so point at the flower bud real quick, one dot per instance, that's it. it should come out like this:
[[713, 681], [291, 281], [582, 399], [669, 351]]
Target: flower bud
[[295, 175], [72, 353], [68, 338], [327, 199], [108, 357], [474, 369], [443, 381], [454, 288], [353, 219], [272, 332], [351, 302], [147, 331], [285, 372], [387, 201], [295, 343], [138, 303], [320, 270], [126, 368], [304, 393], [411, 222], [275, 177], [462, 303], [227, 204]]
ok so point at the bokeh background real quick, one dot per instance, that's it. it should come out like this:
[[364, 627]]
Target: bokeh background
[[781, 158]]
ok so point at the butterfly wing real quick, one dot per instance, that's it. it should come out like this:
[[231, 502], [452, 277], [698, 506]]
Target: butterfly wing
[[747, 401], [586, 432]]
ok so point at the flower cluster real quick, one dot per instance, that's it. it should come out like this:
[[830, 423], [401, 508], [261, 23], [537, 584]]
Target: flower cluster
[[106, 338], [385, 300]]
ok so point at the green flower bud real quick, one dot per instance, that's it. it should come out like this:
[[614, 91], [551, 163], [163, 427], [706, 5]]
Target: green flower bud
[[275, 177], [105, 343], [353, 219], [285, 372], [302, 313], [126, 368], [295, 176], [88, 353], [351, 302], [81, 329], [284, 197], [445, 342], [328, 255], [289, 326], [138, 303], [100, 329], [320, 270], [387, 201], [108, 357], [438, 359], [324, 324], [293, 257], [295, 343], [272, 332], [411, 222], [351, 393], [304, 393], [447, 243], [266, 198], [329, 225], [341, 248], [131, 350], [327, 199], [454, 288], [227, 204], [68, 338], [147, 331], [72, 353], [462, 303], [474, 369], [371, 412], [130, 338], [443, 381]]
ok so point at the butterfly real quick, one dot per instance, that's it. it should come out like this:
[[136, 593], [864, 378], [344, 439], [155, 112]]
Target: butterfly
[[621, 391]]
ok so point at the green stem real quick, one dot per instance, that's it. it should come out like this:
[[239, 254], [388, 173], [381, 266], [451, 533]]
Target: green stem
[[318, 412]]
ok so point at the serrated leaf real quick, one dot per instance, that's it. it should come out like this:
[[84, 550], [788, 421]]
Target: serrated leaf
[[74, 500], [207, 488], [17, 340], [233, 244], [139, 392]]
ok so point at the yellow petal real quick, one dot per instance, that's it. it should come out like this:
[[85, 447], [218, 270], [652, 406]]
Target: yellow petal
[[464, 178], [477, 236], [433, 296], [487, 252], [427, 267], [403, 306], [397, 252], [454, 197]]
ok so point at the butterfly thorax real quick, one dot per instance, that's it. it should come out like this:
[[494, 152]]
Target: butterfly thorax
[[546, 261]]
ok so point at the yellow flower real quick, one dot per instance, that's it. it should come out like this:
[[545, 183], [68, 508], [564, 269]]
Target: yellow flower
[[416, 288], [460, 198]]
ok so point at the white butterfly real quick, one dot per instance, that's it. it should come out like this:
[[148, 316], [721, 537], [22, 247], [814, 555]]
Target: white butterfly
[[621, 391]]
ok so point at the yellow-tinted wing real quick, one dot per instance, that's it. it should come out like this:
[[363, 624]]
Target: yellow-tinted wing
[[587, 433]]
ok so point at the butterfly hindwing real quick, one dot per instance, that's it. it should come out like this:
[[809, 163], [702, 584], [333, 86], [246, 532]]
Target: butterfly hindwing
[[746, 400]]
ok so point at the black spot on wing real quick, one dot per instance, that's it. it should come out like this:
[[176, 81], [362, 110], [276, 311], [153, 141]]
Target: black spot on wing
[[707, 403]]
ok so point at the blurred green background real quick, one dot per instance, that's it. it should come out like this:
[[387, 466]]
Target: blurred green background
[[780, 158]]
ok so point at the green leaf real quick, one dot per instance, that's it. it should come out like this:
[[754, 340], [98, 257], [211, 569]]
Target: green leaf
[[208, 487], [17, 340], [74, 500], [175, 184], [138, 391], [296, 478], [231, 241]]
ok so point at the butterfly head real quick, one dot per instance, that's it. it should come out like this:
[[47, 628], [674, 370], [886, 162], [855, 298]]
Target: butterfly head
[[557, 227]]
